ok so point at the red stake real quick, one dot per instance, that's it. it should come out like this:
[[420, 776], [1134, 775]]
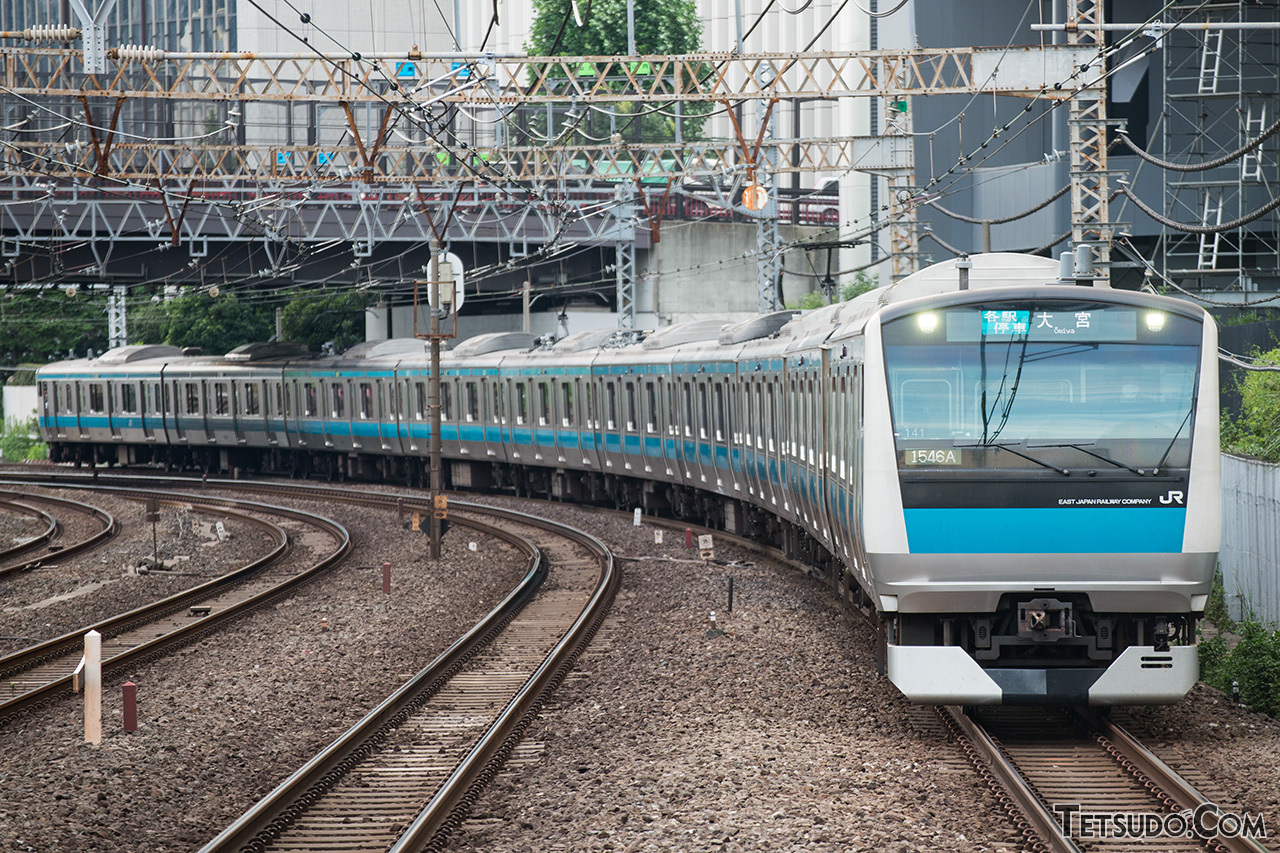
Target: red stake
[[688, 538], [386, 578], [130, 707]]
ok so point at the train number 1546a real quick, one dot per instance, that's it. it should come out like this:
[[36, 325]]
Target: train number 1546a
[[936, 456]]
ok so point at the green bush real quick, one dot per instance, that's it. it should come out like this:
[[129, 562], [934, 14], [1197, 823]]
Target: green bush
[[1254, 664], [1216, 610], [21, 440]]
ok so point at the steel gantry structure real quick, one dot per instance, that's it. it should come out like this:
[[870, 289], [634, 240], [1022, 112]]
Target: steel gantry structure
[[185, 148]]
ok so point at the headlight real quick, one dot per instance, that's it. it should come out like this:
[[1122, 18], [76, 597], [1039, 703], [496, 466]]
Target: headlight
[[928, 323]]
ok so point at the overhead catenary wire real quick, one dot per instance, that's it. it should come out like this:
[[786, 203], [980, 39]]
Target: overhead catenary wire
[[1208, 164]]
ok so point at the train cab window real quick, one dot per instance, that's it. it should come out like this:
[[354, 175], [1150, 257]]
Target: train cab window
[[337, 400], [611, 408], [192, 398], [650, 408], [688, 410], [544, 404], [221, 399], [566, 404], [129, 399], [632, 420], [252, 399], [97, 402], [720, 422], [473, 402], [366, 400], [522, 403]]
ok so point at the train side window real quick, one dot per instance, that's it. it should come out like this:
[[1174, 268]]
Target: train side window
[[129, 398], [419, 400], [688, 409], [337, 400], [749, 410], [592, 422], [566, 404], [252, 400], [191, 393], [446, 401], [672, 412], [473, 402], [366, 400], [309, 391], [499, 408], [704, 414], [651, 408], [632, 420], [97, 402], [544, 404], [221, 400], [522, 403], [720, 422], [611, 408], [773, 419]]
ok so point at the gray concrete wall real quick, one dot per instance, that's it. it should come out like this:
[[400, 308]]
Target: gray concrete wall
[[1250, 554]]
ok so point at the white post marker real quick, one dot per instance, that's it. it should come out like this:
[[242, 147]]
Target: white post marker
[[657, 536], [93, 687], [636, 518]]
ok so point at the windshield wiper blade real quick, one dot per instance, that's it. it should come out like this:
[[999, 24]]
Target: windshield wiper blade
[[1004, 446], [1081, 448]]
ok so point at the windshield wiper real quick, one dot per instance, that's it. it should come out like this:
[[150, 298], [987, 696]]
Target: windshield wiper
[[1174, 440], [1081, 448], [1004, 446]]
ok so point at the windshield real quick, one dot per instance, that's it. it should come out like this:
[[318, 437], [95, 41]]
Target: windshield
[[1055, 383]]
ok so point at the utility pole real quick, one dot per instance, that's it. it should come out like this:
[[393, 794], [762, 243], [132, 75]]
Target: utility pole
[[434, 401]]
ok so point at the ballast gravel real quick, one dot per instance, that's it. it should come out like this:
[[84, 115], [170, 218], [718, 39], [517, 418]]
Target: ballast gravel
[[765, 730], [225, 719]]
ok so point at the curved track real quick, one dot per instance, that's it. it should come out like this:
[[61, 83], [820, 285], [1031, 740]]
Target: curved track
[[403, 777], [1056, 766], [35, 675], [101, 524]]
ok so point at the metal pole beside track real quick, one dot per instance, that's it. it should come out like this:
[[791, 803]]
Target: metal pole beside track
[[435, 397]]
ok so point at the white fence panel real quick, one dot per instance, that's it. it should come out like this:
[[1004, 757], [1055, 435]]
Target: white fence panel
[[1250, 554]]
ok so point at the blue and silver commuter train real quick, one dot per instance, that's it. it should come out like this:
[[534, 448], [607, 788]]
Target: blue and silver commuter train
[[1020, 477]]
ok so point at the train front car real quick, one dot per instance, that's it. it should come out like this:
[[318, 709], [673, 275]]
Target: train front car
[[1055, 453]]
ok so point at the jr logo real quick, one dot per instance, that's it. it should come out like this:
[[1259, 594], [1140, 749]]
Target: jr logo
[[1171, 498]]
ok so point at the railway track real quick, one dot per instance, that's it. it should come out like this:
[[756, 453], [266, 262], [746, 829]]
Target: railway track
[[1083, 783], [98, 526], [403, 777], [36, 675]]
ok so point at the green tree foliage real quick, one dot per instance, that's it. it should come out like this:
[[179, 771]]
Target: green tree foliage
[[20, 440], [1257, 431], [816, 298], [216, 325], [662, 27], [326, 317], [47, 325]]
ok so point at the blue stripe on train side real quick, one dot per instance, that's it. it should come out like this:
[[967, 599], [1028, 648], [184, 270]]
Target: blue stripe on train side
[[1078, 530]]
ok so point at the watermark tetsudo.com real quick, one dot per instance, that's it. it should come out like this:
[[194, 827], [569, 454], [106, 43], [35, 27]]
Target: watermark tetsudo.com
[[1205, 821]]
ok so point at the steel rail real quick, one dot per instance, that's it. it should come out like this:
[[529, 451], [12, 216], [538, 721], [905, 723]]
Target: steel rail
[[1174, 785], [12, 501], [454, 797], [1015, 786], [120, 625], [106, 519], [275, 811]]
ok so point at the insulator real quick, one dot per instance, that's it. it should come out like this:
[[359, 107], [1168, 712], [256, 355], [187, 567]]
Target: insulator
[[51, 33], [138, 53]]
